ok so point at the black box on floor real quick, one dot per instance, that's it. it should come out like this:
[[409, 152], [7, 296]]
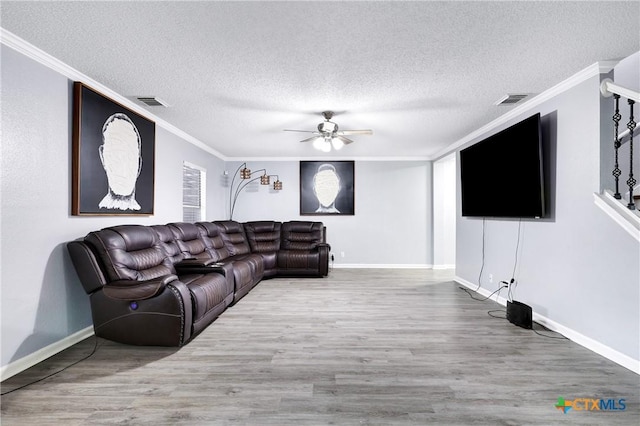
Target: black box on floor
[[519, 314]]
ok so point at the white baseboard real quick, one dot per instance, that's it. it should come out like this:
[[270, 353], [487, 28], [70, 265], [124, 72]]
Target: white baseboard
[[40, 355], [380, 266], [444, 266], [585, 341]]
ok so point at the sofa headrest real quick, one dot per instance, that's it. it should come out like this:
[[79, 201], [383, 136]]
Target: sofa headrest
[[301, 226], [164, 232], [263, 236], [168, 242], [132, 252], [135, 237], [209, 228], [229, 226], [185, 231], [233, 236], [301, 235], [261, 226]]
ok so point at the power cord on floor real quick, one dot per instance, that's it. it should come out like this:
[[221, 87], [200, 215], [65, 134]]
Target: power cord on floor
[[466, 290], [561, 337], [95, 347], [490, 313]]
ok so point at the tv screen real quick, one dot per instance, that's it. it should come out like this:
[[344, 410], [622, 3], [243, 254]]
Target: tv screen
[[502, 175]]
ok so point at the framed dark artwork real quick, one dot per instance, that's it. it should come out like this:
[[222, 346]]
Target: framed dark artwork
[[112, 157], [327, 188]]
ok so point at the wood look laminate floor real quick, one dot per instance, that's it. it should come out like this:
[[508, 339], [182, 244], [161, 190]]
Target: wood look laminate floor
[[361, 347]]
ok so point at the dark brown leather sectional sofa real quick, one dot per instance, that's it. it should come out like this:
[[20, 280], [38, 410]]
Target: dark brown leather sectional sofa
[[163, 284]]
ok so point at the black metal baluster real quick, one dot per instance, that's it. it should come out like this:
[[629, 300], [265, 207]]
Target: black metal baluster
[[616, 145], [631, 125]]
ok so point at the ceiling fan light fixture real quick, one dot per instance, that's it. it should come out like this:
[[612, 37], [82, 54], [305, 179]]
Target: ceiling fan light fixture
[[328, 136], [318, 142], [337, 143], [326, 146]]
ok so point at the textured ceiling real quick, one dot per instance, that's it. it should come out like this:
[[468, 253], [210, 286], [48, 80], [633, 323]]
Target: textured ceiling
[[422, 75]]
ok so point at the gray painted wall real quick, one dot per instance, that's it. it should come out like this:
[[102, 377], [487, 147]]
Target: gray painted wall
[[577, 268], [392, 224], [42, 299]]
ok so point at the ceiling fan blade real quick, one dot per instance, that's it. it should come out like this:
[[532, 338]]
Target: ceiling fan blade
[[355, 132], [344, 140], [311, 139], [315, 132]]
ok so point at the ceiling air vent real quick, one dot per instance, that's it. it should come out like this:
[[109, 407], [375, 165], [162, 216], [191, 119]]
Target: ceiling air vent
[[511, 98], [152, 101]]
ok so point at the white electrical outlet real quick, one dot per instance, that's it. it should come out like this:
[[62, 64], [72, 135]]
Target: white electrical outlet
[[341, 254], [490, 278]]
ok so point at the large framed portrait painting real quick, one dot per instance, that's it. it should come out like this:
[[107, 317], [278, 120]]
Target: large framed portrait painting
[[113, 157], [327, 188]]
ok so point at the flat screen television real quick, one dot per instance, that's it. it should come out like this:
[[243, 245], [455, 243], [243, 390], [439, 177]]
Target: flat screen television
[[503, 175]]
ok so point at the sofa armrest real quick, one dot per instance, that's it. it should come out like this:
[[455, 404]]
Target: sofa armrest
[[323, 251], [162, 320], [194, 262], [200, 266], [137, 290], [86, 265]]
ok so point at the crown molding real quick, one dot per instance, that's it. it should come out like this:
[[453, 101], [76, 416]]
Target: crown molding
[[21, 46], [593, 70]]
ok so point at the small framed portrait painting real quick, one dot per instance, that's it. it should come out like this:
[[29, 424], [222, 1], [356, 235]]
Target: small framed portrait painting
[[327, 188]]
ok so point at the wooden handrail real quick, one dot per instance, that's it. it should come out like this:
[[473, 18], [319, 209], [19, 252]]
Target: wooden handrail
[[609, 88]]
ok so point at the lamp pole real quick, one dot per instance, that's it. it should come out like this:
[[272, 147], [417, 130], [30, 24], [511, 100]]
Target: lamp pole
[[240, 187], [245, 174]]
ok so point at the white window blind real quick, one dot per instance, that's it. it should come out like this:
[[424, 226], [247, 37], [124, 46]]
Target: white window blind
[[193, 192]]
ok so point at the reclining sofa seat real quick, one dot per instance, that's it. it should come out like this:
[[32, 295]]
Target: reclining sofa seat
[[135, 295], [198, 253], [204, 242], [303, 251], [236, 245], [209, 300], [264, 238]]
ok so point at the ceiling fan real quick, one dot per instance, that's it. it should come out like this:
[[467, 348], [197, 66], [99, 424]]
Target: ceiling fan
[[328, 135]]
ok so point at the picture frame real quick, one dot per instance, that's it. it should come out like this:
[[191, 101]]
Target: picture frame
[[327, 188], [113, 157]]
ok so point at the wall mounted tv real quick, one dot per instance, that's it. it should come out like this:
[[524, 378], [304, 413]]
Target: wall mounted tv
[[503, 175]]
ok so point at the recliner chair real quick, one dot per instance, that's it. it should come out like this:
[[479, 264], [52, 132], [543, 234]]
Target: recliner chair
[[303, 251], [264, 238], [135, 293]]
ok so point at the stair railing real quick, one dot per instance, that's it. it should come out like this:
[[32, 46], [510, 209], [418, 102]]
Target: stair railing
[[609, 88]]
